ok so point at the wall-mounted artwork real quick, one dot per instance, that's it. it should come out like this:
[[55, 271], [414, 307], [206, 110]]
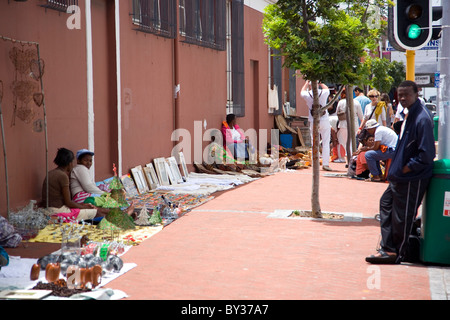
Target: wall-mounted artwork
[[160, 166]]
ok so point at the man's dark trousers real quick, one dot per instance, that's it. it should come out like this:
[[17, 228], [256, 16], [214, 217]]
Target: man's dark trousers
[[398, 210]]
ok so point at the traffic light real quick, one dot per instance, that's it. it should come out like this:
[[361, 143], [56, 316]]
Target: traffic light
[[437, 15], [410, 24]]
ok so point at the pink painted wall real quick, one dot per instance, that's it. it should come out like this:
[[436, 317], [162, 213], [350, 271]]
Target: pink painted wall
[[149, 71], [65, 97]]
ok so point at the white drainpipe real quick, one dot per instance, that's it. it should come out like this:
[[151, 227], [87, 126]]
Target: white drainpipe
[[90, 81], [119, 89]]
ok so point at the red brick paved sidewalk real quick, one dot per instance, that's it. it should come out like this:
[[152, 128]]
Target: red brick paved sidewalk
[[230, 248]]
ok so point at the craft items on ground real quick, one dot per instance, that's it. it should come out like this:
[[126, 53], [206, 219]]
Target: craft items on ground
[[9, 237], [90, 253]]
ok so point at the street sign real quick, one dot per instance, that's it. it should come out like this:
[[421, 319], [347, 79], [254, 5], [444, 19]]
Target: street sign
[[426, 80], [432, 45], [437, 77]]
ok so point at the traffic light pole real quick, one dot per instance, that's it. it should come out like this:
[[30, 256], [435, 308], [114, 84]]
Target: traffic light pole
[[411, 65], [444, 85]]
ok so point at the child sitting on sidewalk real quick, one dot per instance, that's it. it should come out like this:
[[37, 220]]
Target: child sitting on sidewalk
[[362, 170]]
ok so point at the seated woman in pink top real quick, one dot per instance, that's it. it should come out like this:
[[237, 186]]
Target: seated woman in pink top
[[234, 139]]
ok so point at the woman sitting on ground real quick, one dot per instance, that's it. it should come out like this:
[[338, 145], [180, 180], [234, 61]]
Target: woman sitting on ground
[[82, 185], [234, 138], [84, 189], [60, 204]]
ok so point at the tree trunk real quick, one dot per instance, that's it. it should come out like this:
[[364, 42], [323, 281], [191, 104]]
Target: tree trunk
[[351, 133], [315, 204]]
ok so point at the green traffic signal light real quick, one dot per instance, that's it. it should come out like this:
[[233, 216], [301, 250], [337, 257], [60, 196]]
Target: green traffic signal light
[[414, 31], [410, 24]]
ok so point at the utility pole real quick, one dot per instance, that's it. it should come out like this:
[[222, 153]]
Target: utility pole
[[411, 65], [444, 85]]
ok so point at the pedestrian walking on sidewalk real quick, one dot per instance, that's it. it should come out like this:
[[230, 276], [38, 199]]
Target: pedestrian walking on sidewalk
[[324, 127], [409, 175]]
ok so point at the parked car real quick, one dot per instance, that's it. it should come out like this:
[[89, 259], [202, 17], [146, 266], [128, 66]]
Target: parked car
[[431, 107]]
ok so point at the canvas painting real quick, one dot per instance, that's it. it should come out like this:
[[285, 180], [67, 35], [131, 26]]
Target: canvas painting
[[160, 165], [139, 179], [170, 173], [175, 170], [128, 184], [153, 174], [148, 176], [183, 165]]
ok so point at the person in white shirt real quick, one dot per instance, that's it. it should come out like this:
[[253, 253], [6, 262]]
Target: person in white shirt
[[82, 185], [382, 150], [342, 133], [324, 126]]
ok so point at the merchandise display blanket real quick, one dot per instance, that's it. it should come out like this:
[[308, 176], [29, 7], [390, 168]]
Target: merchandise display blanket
[[53, 234], [184, 201]]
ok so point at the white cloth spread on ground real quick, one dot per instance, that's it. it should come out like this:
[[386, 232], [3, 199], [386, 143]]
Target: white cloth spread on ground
[[203, 183]]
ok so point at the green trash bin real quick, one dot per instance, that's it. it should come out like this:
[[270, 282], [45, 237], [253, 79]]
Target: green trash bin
[[436, 128], [435, 229]]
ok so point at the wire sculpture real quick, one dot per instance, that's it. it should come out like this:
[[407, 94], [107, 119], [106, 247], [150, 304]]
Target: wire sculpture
[[27, 86], [29, 69]]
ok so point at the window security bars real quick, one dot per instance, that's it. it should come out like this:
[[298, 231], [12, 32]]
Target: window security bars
[[235, 58], [155, 16], [202, 22], [59, 5]]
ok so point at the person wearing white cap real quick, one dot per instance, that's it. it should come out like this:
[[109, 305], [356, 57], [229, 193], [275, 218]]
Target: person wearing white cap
[[382, 149], [82, 185]]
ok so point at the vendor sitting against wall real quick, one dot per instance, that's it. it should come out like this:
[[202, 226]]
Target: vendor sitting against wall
[[84, 189], [60, 204], [234, 139], [82, 186]]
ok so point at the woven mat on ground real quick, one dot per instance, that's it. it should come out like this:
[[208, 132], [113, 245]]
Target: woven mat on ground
[[184, 201], [52, 234]]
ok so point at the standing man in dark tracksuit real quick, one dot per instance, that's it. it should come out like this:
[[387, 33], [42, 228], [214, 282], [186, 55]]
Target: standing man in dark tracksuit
[[409, 175]]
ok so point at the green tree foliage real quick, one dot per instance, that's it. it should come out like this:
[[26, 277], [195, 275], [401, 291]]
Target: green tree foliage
[[326, 40], [385, 74], [397, 71], [381, 79]]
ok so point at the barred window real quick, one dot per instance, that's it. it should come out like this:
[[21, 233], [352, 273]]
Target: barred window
[[155, 16], [59, 5], [235, 58], [202, 22]]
